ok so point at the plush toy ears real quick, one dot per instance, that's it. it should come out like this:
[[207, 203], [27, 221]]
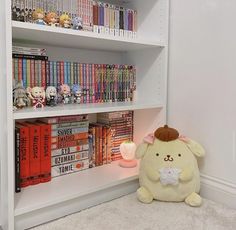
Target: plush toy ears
[[195, 148]]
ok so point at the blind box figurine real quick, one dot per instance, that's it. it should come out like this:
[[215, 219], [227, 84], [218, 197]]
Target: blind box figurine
[[77, 23], [65, 94], [38, 17], [37, 96], [51, 96], [65, 21], [76, 94], [52, 19]]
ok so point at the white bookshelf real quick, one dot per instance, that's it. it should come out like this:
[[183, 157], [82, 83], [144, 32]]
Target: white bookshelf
[[67, 194]]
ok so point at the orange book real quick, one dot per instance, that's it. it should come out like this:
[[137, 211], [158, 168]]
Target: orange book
[[24, 155], [45, 152], [34, 152]]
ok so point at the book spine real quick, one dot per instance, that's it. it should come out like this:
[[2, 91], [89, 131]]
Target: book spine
[[24, 72], [28, 56], [69, 138], [77, 124], [45, 153], [69, 158], [69, 131], [43, 74], [20, 70], [70, 168], [34, 154], [17, 161], [68, 144], [24, 157], [84, 146]]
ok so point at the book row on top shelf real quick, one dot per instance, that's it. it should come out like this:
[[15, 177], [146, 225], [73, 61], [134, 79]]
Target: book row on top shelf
[[151, 30]]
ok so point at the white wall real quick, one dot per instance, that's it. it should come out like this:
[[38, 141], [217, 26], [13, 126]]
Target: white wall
[[202, 83]]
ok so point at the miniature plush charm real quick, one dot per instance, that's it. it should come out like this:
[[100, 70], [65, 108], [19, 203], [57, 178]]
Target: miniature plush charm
[[37, 96], [51, 96], [77, 23], [38, 17], [76, 94], [52, 19], [168, 168], [65, 21], [65, 94]]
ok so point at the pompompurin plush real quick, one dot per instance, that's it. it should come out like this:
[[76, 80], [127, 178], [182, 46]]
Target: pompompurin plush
[[168, 168]]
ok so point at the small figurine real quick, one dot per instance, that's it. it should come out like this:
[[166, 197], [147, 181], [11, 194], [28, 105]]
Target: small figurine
[[65, 21], [51, 96], [38, 17], [14, 14], [77, 23], [52, 19], [20, 99], [65, 94], [37, 96], [30, 15], [76, 94]]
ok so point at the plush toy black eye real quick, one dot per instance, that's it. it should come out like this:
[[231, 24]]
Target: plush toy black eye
[[157, 154], [179, 155]]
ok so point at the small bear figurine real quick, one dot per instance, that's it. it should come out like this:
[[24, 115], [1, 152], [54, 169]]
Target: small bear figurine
[[168, 168]]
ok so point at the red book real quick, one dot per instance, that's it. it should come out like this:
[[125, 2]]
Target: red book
[[43, 74], [34, 149], [24, 155], [95, 13], [20, 69], [45, 152], [62, 81]]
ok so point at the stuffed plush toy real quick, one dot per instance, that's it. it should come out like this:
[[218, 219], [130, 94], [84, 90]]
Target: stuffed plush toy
[[168, 168]]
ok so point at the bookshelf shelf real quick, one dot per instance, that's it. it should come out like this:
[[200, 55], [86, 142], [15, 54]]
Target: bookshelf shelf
[[71, 186], [68, 194], [47, 35], [72, 109]]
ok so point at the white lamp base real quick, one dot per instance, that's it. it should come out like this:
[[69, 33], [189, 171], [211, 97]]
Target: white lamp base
[[128, 163]]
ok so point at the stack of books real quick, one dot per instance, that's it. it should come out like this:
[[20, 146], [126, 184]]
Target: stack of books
[[100, 143], [121, 124], [32, 154], [69, 144]]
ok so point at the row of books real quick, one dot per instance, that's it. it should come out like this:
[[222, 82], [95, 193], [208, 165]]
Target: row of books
[[99, 82], [121, 125], [52, 147], [96, 16]]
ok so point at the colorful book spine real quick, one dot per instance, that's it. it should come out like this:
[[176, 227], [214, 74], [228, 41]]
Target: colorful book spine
[[45, 152], [24, 155], [69, 158], [70, 168], [17, 161], [63, 151]]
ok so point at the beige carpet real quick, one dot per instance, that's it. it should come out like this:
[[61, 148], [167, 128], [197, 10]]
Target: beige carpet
[[127, 213]]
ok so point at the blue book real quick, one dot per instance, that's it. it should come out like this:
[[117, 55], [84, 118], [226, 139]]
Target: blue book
[[24, 72]]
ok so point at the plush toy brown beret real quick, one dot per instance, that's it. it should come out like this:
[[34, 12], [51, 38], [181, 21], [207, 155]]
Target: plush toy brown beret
[[166, 133]]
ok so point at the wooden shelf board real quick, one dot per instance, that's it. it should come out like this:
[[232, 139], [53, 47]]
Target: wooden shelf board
[[75, 109], [71, 186], [47, 35]]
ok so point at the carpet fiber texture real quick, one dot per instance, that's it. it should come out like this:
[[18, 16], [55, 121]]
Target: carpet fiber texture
[[127, 213]]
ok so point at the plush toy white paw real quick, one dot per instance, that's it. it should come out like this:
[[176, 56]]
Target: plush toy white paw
[[168, 168]]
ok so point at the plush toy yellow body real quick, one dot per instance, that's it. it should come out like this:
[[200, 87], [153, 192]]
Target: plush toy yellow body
[[169, 169]]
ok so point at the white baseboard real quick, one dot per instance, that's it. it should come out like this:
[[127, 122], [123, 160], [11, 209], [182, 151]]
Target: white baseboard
[[218, 190]]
